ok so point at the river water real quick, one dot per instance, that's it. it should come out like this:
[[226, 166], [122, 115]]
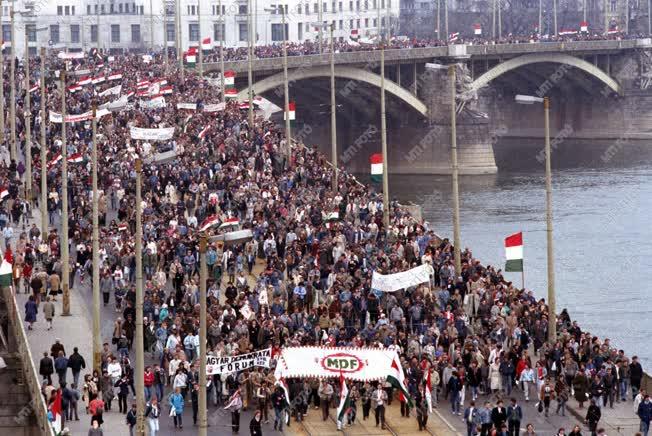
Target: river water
[[602, 236]]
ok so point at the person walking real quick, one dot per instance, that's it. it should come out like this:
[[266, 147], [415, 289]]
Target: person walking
[[581, 387], [95, 430], [547, 393], [527, 379], [499, 415], [61, 367], [255, 428], [592, 418], [485, 419], [96, 409], [76, 363], [278, 403], [48, 311], [635, 375], [235, 406], [380, 398], [131, 419], [123, 391], [514, 418], [176, 408], [562, 394], [472, 419], [46, 367], [152, 413], [31, 309], [645, 415], [325, 394]]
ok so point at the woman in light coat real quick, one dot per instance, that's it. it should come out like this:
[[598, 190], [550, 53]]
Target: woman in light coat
[[495, 379]]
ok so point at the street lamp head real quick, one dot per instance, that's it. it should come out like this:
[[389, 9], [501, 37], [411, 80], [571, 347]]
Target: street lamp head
[[527, 99]]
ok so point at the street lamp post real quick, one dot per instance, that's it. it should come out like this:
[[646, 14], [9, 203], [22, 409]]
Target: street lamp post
[[97, 342], [250, 66], [165, 35], [222, 29], [446, 35], [140, 347], [438, 18], [178, 36], [65, 267], [455, 172], [12, 103], [44, 170], [554, 7], [203, 419], [552, 311], [2, 88], [151, 26], [28, 126], [286, 89], [201, 49], [383, 140]]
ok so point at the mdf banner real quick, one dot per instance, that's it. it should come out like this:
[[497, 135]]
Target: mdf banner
[[229, 364], [363, 364]]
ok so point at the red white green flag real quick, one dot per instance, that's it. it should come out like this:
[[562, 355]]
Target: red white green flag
[[376, 161], [292, 111], [345, 402], [514, 252], [396, 378], [229, 78]]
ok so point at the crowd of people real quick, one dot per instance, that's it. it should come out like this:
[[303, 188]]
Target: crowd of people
[[341, 46], [468, 339]]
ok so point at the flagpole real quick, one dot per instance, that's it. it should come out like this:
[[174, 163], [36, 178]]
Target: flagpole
[[28, 127], [65, 267], [44, 171], [523, 277]]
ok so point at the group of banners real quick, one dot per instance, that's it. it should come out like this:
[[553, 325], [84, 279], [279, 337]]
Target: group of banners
[[230, 364]]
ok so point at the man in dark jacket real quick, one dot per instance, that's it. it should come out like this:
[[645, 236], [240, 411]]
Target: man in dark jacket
[[76, 363], [514, 418], [56, 347], [645, 414], [46, 367], [499, 414], [635, 376], [593, 415], [61, 366]]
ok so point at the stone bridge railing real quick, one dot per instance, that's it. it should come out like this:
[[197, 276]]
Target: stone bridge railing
[[427, 54]]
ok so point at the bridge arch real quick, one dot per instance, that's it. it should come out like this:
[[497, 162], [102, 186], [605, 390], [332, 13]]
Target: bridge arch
[[536, 58], [342, 72]]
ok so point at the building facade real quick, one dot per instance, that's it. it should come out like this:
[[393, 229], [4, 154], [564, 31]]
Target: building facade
[[142, 25]]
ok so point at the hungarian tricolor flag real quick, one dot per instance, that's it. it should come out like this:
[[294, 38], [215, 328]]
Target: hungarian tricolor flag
[[203, 132], [163, 90], [74, 88], [208, 223], [233, 221], [99, 79], [55, 160], [345, 402], [477, 29], [85, 81], [231, 93], [191, 56], [3, 193], [229, 78], [206, 44], [144, 84], [292, 111], [396, 378], [376, 160], [453, 36], [428, 390], [123, 227], [75, 158], [584, 26], [116, 76], [613, 30], [34, 88], [55, 414], [514, 252], [6, 271]]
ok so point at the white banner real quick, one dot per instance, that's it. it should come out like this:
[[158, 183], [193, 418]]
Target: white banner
[[72, 55], [214, 81], [402, 280], [162, 134], [56, 117], [227, 365], [116, 90], [364, 364], [187, 106], [214, 107], [115, 105], [154, 103]]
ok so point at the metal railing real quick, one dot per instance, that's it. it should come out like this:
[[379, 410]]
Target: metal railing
[[30, 375]]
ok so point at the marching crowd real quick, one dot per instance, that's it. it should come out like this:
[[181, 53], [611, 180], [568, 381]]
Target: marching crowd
[[470, 340]]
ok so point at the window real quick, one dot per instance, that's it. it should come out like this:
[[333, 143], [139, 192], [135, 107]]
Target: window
[[142, 10], [366, 5], [243, 33], [299, 9], [193, 31], [30, 30], [277, 31], [171, 31], [96, 9], [115, 33], [357, 23], [72, 10], [102, 9], [324, 7], [375, 4], [135, 33], [613, 6], [350, 5], [59, 10], [300, 31], [218, 31], [389, 4], [66, 10], [357, 5], [127, 8], [74, 33], [111, 8], [54, 33], [340, 5], [341, 24], [375, 22], [350, 24], [333, 6], [382, 4], [120, 8], [88, 9], [93, 32], [242, 9], [193, 10], [366, 22], [315, 8]]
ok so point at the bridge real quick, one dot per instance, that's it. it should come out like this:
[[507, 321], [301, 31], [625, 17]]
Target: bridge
[[602, 70]]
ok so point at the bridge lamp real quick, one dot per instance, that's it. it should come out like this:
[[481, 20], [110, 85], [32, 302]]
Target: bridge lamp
[[552, 317], [527, 99]]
